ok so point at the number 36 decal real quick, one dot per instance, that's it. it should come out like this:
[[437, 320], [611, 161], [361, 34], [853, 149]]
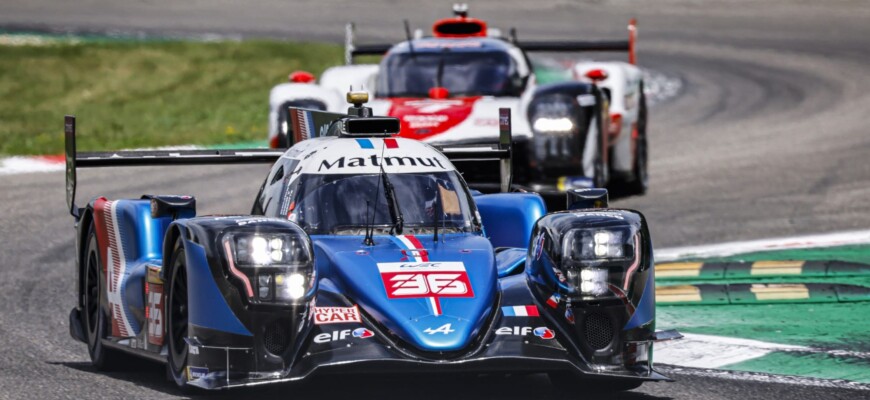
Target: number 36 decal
[[431, 279]]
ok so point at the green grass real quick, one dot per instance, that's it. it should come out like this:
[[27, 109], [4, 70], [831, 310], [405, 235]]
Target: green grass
[[147, 93]]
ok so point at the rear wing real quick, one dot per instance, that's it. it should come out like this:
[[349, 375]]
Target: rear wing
[[76, 159], [309, 124], [352, 50], [568, 46]]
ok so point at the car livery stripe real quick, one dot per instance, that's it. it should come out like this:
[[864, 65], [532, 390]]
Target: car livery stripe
[[412, 248], [365, 144], [391, 143], [116, 266]]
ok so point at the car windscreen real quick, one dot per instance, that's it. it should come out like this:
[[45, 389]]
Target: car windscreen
[[342, 204], [463, 74]]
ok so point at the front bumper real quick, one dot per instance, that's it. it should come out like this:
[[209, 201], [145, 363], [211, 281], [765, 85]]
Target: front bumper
[[378, 358]]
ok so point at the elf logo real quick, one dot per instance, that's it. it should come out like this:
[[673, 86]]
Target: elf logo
[[541, 332], [361, 333]]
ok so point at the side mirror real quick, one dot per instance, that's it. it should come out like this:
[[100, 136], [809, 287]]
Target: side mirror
[[596, 75], [587, 198], [301, 77]]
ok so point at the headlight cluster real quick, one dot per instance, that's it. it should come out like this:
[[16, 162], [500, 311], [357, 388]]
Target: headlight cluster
[[554, 124], [272, 267], [592, 258], [558, 125]]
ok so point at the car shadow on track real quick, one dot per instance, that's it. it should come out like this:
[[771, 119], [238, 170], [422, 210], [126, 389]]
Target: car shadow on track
[[535, 386]]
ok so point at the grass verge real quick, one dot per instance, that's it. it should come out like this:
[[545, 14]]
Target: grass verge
[[129, 94]]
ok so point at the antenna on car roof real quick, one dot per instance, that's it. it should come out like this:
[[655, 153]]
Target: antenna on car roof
[[410, 38]]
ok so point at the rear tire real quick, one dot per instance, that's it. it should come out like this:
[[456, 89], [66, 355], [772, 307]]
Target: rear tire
[[640, 183], [176, 319], [95, 320], [570, 386]]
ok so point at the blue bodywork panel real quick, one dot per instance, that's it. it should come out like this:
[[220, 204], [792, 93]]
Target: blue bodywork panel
[[354, 269], [510, 261], [141, 243], [646, 307], [208, 308], [509, 217]]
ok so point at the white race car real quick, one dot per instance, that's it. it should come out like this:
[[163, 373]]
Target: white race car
[[587, 129]]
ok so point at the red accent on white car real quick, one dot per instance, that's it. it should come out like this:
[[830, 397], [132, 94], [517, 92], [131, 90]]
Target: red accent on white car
[[615, 125], [422, 118], [596, 74], [301, 77]]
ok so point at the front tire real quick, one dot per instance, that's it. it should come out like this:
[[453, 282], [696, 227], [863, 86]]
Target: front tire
[[176, 317]]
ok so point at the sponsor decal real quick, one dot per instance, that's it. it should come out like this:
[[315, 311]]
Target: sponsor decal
[[445, 329], [421, 119], [553, 301], [361, 333], [435, 280], [194, 373], [336, 315], [154, 314], [541, 332], [544, 333], [412, 250], [424, 121], [375, 161], [520, 311], [486, 122]]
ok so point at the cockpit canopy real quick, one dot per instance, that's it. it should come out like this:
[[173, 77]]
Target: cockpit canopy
[[465, 67], [346, 204], [334, 186]]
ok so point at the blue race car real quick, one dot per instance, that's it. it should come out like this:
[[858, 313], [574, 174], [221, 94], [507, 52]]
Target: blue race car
[[364, 251]]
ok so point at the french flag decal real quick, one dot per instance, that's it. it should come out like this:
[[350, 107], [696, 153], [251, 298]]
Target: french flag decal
[[553, 301], [365, 144], [520, 311]]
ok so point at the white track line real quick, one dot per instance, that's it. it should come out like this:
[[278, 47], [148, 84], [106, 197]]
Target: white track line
[[708, 351], [764, 378], [786, 243]]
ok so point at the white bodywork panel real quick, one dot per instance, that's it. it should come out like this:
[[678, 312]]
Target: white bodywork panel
[[623, 81]]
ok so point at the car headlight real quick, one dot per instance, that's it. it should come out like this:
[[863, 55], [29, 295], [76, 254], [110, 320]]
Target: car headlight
[[553, 125], [272, 267], [593, 258]]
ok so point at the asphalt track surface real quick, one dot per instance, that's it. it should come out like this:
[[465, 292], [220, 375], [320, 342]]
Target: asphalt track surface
[[767, 138]]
